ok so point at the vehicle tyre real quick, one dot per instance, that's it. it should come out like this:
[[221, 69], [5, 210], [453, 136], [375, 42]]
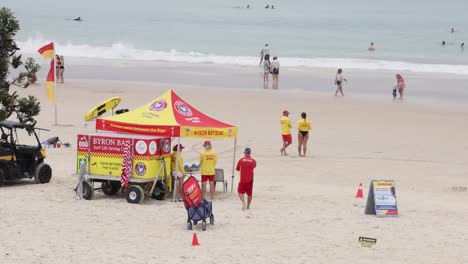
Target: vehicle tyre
[[2, 176], [159, 192], [43, 173], [88, 190], [134, 194], [110, 187], [203, 226], [189, 225]]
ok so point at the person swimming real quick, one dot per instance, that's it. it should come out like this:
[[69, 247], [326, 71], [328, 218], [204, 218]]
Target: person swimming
[[443, 43], [268, 6]]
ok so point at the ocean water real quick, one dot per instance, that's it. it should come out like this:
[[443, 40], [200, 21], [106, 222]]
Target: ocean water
[[302, 33]]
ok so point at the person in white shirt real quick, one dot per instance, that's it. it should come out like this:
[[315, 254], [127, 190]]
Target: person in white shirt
[[339, 82], [265, 54], [371, 47], [275, 66]]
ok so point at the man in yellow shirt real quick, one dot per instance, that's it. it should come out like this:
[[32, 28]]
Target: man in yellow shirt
[[286, 132], [208, 159], [179, 174]]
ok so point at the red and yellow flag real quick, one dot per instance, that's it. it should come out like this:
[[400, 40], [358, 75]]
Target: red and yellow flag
[[50, 83], [47, 51]]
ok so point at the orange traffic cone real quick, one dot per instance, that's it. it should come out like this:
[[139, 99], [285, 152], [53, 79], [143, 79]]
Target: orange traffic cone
[[195, 240], [359, 192]]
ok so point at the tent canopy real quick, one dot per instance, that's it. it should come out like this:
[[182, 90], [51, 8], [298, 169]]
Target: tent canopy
[[168, 115]]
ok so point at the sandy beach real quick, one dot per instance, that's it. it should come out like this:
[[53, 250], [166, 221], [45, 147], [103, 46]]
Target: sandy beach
[[304, 209]]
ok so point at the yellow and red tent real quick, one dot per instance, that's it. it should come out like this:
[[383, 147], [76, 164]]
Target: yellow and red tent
[[168, 115]]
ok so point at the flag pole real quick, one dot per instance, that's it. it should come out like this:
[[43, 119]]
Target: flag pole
[[55, 84]]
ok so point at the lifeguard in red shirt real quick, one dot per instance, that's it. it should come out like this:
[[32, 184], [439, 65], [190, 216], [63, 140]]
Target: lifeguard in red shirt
[[246, 167]]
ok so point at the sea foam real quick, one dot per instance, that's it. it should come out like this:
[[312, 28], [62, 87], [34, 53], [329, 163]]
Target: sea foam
[[124, 51]]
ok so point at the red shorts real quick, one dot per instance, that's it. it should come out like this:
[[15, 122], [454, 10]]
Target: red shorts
[[205, 178], [245, 188], [287, 138]]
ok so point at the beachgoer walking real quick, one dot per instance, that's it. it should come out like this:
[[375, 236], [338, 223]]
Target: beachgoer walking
[[401, 85], [61, 68], [303, 128], [265, 54], [371, 47], [339, 79], [246, 166], [178, 174], [452, 30], [57, 67], [266, 73], [275, 67], [285, 132], [208, 159]]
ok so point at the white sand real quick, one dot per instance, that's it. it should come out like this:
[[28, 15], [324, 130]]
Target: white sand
[[304, 210]]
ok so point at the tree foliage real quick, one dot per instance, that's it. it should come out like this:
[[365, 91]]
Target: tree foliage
[[25, 108]]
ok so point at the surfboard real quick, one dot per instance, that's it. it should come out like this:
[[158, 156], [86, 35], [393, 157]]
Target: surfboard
[[102, 108]]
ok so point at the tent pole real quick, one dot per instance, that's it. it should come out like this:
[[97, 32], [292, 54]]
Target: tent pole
[[233, 163], [176, 180]]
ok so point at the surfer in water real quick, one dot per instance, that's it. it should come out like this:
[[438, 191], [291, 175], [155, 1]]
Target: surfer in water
[[78, 19]]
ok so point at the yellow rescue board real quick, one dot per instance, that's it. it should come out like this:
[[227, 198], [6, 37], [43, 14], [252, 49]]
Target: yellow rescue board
[[102, 108]]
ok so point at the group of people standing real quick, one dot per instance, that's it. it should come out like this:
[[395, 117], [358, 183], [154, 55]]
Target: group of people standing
[[269, 68], [303, 128], [208, 161], [59, 67]]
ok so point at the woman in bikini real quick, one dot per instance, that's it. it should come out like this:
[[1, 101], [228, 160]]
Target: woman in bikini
[[401, 85], [57, 67], [303, 128], [339, 82], [61, 68]]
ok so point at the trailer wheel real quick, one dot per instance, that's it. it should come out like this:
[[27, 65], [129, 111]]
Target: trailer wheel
[[189, 225], [134, 194], [212, 220], [110, 187], [43, 173], [88, 190], [159, 192], [203, 226]]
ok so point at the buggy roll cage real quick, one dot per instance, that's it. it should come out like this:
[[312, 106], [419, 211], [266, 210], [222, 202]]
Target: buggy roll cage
[[12, 126]]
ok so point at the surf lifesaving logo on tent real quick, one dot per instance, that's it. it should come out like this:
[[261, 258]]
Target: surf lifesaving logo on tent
[[182, 108], [140, 169], [158, 106], [167, 146]]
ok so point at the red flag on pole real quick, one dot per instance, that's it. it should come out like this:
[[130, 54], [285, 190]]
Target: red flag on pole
[[127, 168], [50, 83], [47, 51]]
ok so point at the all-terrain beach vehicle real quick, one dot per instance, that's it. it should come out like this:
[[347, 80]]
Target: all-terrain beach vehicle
[[198, 209], [17, 160]]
